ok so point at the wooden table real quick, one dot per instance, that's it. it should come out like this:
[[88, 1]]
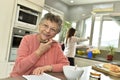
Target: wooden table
[[89, 69], [85, 75], [58, 75]]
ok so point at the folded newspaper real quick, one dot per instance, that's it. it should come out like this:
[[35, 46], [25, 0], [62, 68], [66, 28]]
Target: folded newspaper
[[43, 76]]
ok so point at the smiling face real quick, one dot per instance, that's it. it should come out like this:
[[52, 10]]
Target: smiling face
[[49, 26], [47, 30]]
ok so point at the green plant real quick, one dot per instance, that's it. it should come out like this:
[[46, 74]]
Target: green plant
[[111, 49], [66, 26]]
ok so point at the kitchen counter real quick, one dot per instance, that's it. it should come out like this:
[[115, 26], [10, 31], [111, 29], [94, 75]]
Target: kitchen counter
[[101, 59]]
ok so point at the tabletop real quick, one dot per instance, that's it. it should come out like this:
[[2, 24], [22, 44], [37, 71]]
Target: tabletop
[[58, 75], [85, 75]]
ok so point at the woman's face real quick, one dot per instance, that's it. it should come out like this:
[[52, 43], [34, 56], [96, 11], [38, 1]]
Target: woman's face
[[47, 30]]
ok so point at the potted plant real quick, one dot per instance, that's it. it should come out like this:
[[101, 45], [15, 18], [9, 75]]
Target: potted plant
[[111, 52]]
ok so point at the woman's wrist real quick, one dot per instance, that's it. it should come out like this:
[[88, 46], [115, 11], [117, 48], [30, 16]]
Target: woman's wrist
[[49, 68], [37, 53]]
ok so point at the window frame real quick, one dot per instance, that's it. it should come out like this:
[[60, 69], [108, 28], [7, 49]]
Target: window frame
[[100, 31]]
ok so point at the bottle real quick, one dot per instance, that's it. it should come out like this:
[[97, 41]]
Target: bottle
[[90, 54], [94, 76]]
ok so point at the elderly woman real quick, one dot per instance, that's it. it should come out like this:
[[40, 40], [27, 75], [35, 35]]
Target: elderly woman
[[39, 53]]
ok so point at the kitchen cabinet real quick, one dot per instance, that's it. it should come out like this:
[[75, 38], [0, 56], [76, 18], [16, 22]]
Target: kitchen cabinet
[[10, 66], [38, 2], [82, 62], [3, 70], [6, 22], [7, 18], [33, 4]]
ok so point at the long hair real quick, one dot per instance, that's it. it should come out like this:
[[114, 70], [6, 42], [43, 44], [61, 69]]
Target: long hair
[[70, 33]]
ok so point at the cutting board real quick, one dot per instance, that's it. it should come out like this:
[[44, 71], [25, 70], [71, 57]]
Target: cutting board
[[106, 71]]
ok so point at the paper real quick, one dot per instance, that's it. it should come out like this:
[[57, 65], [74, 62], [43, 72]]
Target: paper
[[43, 76]]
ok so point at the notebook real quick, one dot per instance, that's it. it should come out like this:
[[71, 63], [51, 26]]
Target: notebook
[[43, 76]]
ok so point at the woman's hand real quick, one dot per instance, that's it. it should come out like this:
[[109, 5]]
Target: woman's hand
[[44, 47], [40, 70]]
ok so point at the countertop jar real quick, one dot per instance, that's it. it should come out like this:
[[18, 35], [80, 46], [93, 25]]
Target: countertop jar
[[95, 76]]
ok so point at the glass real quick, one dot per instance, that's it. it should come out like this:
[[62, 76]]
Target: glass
[[95, 76], [27, 18], [87, 29], [90, 54], [96, 31], [52, 30], [105, 33], [111, 37]]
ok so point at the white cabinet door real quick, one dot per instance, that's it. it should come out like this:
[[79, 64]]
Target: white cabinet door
[[6, 16], [3, 67], [38, 2], [33, 4], [6, 21], [10, 66]]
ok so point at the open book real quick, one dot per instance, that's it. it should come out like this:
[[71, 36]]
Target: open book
[[43, 76]]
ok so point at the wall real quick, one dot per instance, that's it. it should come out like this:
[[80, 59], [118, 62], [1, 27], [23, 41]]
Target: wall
[[58, 5], [86, 9], [74, 13]]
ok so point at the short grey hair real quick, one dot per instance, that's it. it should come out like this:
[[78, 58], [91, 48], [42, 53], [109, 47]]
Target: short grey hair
[[53, 18]]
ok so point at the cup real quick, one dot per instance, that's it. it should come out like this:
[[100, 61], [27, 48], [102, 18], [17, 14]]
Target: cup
[[72, 73]]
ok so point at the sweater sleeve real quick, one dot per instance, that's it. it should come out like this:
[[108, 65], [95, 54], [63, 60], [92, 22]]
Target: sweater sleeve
[[24, 60], [76, 39], [61, 60]]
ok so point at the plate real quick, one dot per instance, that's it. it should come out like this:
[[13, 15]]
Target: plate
[[100, 68]]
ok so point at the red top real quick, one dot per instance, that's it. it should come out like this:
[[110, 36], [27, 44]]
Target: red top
[[27, 60]]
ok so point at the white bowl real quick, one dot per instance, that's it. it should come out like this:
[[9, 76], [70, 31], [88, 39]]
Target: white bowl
[[71, 73]]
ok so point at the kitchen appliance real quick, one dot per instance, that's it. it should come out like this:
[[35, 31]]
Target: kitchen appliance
[[16, 39], [26, 17]]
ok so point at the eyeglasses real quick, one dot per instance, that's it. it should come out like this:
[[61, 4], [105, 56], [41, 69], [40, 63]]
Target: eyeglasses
[[52, 30]]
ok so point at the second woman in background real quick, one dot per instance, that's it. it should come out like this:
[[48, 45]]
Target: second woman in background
[[70, 44]]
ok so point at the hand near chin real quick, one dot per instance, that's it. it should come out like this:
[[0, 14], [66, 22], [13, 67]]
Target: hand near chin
[[44, 47]]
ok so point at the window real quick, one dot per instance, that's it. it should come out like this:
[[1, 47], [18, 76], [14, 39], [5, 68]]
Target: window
[[86, 30], [106, 31], [110, 33], [95, 40]]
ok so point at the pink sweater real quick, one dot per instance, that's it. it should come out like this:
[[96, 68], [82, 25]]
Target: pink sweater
[[27, 60]]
